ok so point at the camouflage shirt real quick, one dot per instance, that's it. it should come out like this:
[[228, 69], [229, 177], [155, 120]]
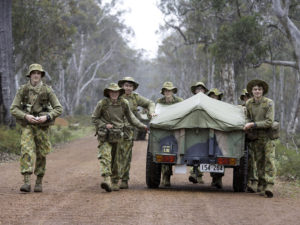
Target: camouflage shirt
[[36, 98], [107, 112], [164, 102], [261, 112]]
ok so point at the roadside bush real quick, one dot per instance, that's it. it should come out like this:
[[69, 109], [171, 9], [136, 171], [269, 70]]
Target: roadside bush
[[288, 162], [10, 140]]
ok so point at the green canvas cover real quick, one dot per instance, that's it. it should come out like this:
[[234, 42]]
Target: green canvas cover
[[199, 111]]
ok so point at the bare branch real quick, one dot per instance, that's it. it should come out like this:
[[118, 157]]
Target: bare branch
[[282, 63]]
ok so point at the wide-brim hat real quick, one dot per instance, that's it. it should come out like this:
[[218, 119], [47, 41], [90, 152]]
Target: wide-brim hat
[[113, 87], [130, 80], [216, 92], [260, 83], [197, 84], [35, 67], [168, 86], [244, 93]]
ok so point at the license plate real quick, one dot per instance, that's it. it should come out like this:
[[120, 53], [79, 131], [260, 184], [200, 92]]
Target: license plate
[[213, 168]]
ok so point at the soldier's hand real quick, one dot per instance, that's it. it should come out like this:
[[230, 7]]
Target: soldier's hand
[[153, 115], [109, 126], [30, 118], [41, 119], [146, 128], [248, 126]]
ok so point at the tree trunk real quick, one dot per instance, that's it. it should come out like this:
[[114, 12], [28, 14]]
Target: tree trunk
[[293, 116], [7, 86], [293, 34], [282, 108], [228, 77]]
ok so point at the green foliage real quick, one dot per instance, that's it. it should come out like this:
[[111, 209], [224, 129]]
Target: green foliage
[[240, 41], [288, 162], [10, 140]]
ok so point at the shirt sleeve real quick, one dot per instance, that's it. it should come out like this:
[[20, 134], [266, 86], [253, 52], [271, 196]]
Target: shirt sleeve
[[96, 117], [131, 117], [146, 103], [55, 104], [15, 108]]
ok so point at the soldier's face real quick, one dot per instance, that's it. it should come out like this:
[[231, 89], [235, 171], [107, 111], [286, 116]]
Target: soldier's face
[[168, 93], [214, 96], [128, 87], [257, 92], [199, 89], [35, 77], [113, 95]]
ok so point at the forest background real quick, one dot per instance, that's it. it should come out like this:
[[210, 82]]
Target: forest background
[[83, 46]]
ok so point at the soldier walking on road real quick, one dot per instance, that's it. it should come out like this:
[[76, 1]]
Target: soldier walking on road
[[260, 117], [168, 90], [195, 174], [35, 107], [109, 120], [135, 100], [216, 177]]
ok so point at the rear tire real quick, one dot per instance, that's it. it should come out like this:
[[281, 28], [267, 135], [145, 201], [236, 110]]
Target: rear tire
[[153, 171], [240, 174]]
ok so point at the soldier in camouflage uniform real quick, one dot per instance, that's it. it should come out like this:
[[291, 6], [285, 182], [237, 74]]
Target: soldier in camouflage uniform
[[35, 107], [195, 174], [216, 177], [135, 100], [109, 120], [168, 90], [245, 96], [260, 117]]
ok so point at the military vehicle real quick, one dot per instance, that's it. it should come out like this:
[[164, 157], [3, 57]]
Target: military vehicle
[[198, 132]]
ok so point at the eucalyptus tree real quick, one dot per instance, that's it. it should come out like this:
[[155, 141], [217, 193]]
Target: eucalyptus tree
[[6, 62]]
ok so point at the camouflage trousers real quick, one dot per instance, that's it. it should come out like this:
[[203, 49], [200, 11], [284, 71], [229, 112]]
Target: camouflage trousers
[[35, 145], [252, 169], [263, 151], [166, 170], [125, 159], [109, 157]]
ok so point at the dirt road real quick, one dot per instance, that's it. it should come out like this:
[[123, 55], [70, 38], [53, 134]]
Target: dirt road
[[72, 196]]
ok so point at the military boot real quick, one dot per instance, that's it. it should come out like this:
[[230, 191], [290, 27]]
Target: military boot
[[200, 180], [106, 184], [261, 190], [115, 186], [166, 180], [269, 191], [252, 186], [217, 182], [124, 184], [26, 187], [38, 184], [193, 178]]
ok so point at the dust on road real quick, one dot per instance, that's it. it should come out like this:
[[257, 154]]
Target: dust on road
[[72, 195]]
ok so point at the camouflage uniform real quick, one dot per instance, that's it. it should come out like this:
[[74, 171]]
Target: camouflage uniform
[[216, 177], [111, 140], [35, 142], [166, 169], [195, 174], [252, 170], [134, 100], [262, 147]]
